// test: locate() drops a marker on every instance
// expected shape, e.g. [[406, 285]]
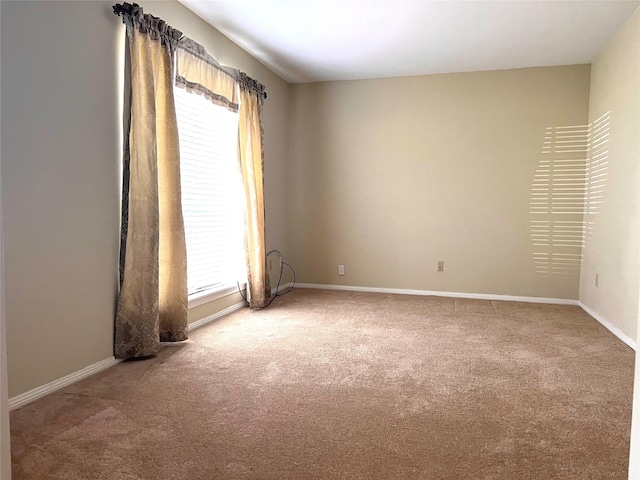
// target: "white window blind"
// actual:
[[211, 193]]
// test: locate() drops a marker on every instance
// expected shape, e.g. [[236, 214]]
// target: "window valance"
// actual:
[[196, 70], [199, 72]]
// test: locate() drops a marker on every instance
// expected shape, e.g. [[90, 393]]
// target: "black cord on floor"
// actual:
[[277, 293]]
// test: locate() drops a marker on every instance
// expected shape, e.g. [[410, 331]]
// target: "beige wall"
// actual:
[[5, 438], [613, 254], [615, 87], [389, 176], [61, 151]]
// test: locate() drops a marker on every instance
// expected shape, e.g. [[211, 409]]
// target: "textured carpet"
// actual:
[[344, 385]]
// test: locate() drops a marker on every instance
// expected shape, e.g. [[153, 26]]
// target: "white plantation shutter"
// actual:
[[211, 193]]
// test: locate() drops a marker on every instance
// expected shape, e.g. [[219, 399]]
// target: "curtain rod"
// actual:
[[127, 9]]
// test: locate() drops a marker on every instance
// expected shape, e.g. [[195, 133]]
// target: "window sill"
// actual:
[[207, 296]]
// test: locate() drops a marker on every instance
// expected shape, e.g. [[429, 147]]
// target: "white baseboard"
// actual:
[[477, 296], [609, 326], [44, 390], [283, 288], [203, 321], [484, 296], [39, 392]]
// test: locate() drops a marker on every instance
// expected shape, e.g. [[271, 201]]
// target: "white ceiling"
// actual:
[[317, 40]]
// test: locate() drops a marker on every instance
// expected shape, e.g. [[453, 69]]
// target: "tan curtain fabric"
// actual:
[[250, 154], [152, 303]]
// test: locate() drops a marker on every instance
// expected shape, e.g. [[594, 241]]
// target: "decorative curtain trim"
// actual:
[[126, 166], [194, 87], [252, 85]]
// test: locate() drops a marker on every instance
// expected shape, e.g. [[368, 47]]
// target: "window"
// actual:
[[212, 200]]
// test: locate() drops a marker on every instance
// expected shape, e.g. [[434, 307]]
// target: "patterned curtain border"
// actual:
[[193, 87], [250, 84], [126, 165]]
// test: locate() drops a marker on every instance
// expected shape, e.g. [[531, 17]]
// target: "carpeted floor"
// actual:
[[343, 385]]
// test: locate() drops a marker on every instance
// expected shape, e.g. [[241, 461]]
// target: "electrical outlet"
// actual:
[[597, 280], [440, 266], [340, 269]]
